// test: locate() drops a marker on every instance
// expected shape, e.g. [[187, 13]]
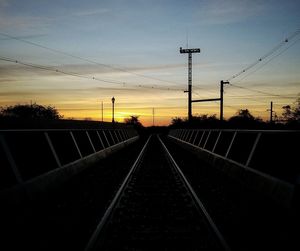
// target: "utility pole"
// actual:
[[152, 116], [221, 99], [113, 109], [222, 83], [189, 51], [271, 112], [102, 111]]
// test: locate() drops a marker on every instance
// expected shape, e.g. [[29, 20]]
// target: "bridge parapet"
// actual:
[[266, 159], [44, 156]]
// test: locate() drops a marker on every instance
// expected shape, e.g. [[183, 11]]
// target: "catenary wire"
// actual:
[[47, 68], [272, 51], [85, 59]]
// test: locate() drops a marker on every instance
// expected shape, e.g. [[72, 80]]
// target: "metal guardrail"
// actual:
[[274, 152], [27, 154]]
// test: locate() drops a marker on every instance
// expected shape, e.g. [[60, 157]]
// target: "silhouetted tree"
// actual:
[[198, 121], [133, 120], [242, 115], [287, 113], [177, 121], [205, 117], [33, 111], [291, 114], [244, 119], [297, 110]]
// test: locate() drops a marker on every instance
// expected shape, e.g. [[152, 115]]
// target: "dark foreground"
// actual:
[[155, 213]]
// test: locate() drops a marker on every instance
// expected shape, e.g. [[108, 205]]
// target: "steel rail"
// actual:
[[196, 199], [104, 220]]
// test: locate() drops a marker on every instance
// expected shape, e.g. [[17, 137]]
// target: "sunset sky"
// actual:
[[131, 49]]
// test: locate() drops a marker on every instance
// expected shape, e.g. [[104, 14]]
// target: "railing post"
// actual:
[[179, 133], [112, 138], [230, 145], [120, 136], [189, 139], [100, 140], [203, 132], [126, 134], [106, 138], [213, 150], [117, 137], [11, 160], [52, 149], [182, 134], [195, 137], [75, 143], [87, 134], [253, 149], [123, 134], [206, 139], [185, 135]]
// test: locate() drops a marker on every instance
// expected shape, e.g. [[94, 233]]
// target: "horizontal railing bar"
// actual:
[[232, 161], [245, 130], [57, 130]]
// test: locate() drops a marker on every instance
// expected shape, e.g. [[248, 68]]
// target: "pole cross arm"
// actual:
[[225, 82], [206, 100], [196, 50]]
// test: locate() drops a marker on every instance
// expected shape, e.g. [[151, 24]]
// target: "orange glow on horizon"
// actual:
[[162, 116]]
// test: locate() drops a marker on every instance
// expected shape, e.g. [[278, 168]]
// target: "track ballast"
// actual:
[[156, 209]]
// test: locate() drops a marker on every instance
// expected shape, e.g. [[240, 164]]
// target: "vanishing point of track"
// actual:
[[156, 208]]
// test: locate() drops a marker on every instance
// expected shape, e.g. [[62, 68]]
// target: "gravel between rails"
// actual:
[[156, 211]]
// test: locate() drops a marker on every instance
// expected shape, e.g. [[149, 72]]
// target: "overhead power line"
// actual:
[[48, 68], [74, 74], [268, 54], [271, 59], [258, 91], [262, 96], [86, 60]]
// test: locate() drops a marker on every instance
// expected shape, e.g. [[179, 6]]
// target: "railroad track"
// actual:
[[156, 208]]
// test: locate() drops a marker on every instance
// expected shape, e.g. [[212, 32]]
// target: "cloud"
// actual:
[[3, 3], [19, 75], [232, 11], [24, 22], [18, 93], [21, 37], [8, 71], [91, 12], [294, 84]]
